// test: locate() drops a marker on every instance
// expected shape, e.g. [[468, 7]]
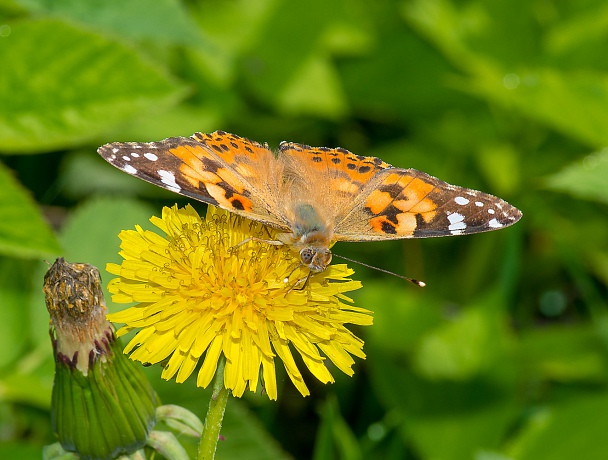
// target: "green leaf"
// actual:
[[579, 31], [573, 103], [66, 85], [29, 387], [160, 20], [23, 231], [479, 40], [15, 287], [287, 61], [463, 347], [587, 179], [401, 76], [314, 90], [573, 428]]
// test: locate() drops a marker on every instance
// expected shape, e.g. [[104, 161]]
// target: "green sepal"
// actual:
[[107, 412]]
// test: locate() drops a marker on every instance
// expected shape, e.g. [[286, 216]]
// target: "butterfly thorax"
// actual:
[[310, 236]]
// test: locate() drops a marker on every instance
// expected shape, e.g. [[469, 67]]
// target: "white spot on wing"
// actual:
[[150, 156], [168, 178], [135, 155], [455, 217], [494, 223], [461, 200], [456, 223], [114, 150], [126, 158], [491, 211], [129, 169], [479, 204], [458, 226]]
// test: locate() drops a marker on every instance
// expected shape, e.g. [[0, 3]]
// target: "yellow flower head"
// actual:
[[202, 292]]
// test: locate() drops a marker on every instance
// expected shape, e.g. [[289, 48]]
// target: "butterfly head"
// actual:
[[315, 258]]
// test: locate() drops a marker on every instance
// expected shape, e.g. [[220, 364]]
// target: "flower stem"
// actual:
[[215, 415]]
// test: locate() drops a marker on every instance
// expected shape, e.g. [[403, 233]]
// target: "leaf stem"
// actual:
[[215, 415]]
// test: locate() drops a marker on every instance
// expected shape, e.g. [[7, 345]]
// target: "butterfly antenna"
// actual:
[[411, 280]]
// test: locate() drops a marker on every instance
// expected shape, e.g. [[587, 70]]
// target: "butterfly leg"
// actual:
[[303, 281]]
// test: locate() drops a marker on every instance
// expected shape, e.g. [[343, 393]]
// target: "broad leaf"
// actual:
[[587, 179], [160, 20], [23, 231], [61, 85]]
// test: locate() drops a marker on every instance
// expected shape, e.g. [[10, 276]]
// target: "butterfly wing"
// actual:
[[371, 200], [406, 203], [221, 169], [329, 179]]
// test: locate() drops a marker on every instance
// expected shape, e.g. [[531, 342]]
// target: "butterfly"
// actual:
[[313, 196]]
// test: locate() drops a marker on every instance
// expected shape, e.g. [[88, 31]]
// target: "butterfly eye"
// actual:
[[307, 255]]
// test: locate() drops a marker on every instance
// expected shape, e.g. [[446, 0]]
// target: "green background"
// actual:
[[502, 356]]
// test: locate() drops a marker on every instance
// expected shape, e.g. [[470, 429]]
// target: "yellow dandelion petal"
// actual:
[[139, 338], [270, 377], [207, 371], [204, 290], [187, 368], [336, 353]]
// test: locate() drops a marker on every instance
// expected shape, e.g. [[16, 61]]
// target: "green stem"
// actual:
[[215, 415]]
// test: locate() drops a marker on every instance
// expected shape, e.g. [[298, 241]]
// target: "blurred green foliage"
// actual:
[[502, 356]]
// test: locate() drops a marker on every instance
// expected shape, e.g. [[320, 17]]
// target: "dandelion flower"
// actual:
[[206, 289]]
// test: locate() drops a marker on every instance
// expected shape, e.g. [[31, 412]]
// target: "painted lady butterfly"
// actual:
[[313, 196]]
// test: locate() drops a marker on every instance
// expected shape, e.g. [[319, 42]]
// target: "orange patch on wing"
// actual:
[[344, 185], [395, 178], [190, 155], [405, 226], [418, 189], [426, 208], [413, 195], [241, 202], [235, 202], [377, 201], [230, 178], [193, 169]]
